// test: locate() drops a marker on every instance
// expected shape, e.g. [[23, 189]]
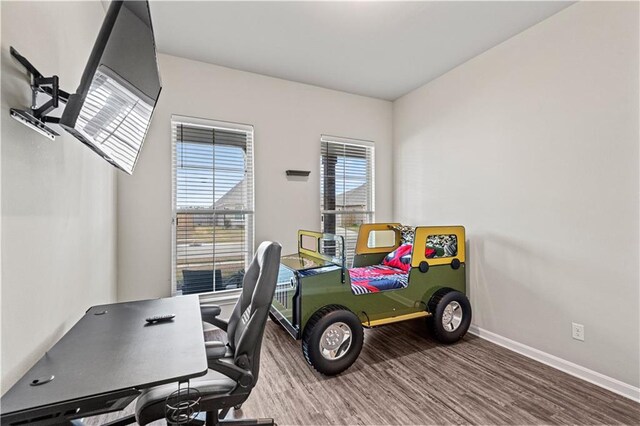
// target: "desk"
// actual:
[[103, 362]]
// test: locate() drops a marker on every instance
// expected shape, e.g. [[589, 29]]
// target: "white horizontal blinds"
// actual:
[[346, 188], [213, 204]]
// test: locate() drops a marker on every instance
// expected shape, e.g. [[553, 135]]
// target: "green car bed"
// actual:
[[399, 273]]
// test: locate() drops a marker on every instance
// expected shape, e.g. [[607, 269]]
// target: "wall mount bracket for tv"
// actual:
[[36, 116]]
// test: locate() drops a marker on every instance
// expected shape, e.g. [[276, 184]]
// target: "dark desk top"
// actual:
[[116, 351]]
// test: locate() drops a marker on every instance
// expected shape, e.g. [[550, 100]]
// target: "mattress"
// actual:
[[376, 278]]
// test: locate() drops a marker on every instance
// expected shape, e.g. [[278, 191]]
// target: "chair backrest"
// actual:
[[249, 317]]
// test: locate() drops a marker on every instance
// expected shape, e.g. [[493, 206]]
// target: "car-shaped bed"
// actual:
[[398, 273]]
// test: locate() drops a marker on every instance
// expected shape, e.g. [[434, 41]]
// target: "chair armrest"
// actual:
[[215, 350], [209, 311], [243, 377], [210, 314], [220, 323]]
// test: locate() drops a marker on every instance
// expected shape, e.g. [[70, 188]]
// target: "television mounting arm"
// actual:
[[42, 84]]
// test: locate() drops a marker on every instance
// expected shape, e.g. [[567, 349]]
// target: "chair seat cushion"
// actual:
[[150, 405]]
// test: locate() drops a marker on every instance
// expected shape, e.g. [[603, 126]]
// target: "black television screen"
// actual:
[[112, 108]]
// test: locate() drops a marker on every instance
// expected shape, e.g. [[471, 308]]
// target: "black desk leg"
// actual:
[[212, 418]]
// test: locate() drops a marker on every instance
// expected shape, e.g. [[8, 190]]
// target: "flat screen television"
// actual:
[[112, 108]]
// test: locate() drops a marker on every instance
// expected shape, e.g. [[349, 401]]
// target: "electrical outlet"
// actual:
[[577, 331]]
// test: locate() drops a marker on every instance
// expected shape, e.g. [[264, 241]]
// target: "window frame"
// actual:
[[362, 143], [176, 120]]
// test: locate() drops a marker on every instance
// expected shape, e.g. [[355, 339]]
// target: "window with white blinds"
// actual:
[[212, 204], [346, 188]]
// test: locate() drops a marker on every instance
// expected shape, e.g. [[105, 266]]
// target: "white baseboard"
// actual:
[[568, 367]]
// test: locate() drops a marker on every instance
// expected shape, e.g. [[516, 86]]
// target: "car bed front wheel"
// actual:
[[332, 340]]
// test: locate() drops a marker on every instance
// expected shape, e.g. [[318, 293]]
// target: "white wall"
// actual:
[[58, 198], [288, 119], [533, 146]]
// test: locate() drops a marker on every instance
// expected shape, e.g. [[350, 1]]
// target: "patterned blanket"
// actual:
[[376, 278]]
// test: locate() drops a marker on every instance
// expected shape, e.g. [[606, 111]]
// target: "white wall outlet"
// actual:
[[577, 331]]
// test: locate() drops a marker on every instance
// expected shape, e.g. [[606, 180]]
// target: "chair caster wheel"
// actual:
[[237, 407]]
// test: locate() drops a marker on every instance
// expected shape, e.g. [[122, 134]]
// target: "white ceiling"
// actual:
[[378, 49]]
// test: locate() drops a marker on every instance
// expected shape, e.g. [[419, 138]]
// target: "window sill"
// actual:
[[221, 298]]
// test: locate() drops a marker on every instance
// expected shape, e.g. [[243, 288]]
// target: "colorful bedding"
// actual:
[[400, 258], [376, 278]]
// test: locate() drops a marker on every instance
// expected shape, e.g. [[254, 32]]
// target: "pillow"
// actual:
[[399, 258]]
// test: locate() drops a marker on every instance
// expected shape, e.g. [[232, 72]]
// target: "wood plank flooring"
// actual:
[[404, 377]]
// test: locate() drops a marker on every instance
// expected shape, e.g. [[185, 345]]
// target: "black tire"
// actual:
[[348, 351], [442, 328]]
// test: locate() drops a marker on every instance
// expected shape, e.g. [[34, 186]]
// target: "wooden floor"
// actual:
[[403, 377]]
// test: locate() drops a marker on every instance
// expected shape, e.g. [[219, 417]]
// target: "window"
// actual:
[[441, 246], [212, 204], [381, 238], [346, 188]]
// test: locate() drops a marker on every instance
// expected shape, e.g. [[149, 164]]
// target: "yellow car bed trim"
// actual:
[[363, 237], [420, 243], [312, 234], [399, 318]]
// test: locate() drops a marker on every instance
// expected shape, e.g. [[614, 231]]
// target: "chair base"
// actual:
[[211, 420], [214, 420]]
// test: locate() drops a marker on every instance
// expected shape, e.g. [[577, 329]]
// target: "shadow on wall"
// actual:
[[509, 281], [24, 148], [34, 355], [14, 76], [513, 280], [531, 294]]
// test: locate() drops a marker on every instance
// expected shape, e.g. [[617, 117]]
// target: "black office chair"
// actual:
[[234, 367]]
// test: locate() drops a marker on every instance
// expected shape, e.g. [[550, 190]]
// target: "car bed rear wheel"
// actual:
[[332, 340], [451, 315]]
